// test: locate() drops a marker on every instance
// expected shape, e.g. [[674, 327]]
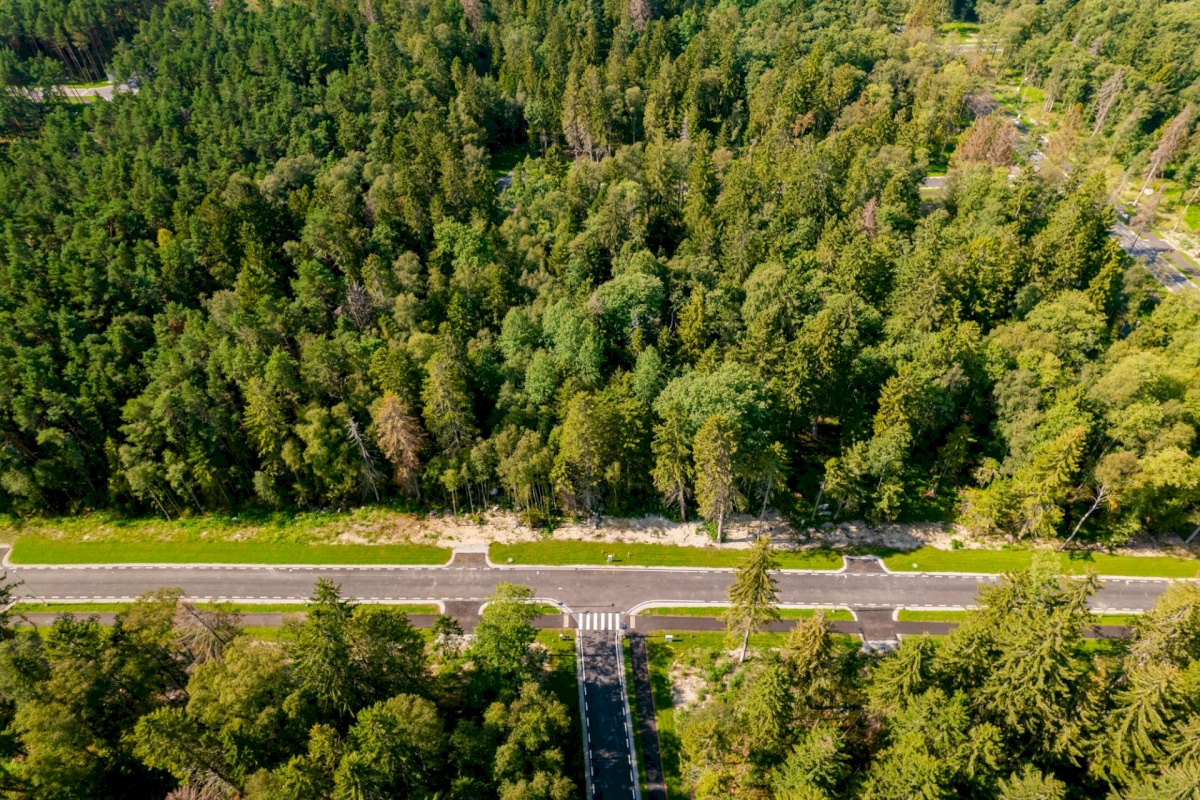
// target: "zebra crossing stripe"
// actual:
[[601, 621]]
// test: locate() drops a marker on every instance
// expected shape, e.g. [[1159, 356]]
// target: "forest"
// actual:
[[597, 257], [1014, 704], [351, 703]]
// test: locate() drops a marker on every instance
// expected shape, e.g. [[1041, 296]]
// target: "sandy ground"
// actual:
[[687, 685], [380, 526], [506, 528]]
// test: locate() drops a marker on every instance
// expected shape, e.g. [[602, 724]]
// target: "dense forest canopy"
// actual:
[[1013, 705], [351, 703], [287, 273]]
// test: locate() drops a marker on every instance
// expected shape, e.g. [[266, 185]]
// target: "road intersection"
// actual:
[[600, 603], [469, 579]]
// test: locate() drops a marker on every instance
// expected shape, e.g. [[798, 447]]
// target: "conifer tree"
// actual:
[[400, 437], [715, 451], [754, 593], [673, 458]]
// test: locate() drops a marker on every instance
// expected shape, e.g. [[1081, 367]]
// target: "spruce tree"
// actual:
[[672, 458], [754, 594], [715, 451]]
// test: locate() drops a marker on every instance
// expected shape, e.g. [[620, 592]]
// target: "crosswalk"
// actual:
[[598, 621]]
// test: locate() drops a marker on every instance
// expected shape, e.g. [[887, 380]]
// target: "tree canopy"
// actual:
[[572, 259]]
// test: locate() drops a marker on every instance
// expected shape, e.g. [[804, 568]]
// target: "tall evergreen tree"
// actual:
[[754, 593]]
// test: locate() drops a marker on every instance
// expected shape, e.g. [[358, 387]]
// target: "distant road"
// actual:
[[83, 94]]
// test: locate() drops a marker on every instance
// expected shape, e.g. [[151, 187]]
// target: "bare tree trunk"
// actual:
[[1186, 209], [745, 644], [1109, 92], [1100, 496]]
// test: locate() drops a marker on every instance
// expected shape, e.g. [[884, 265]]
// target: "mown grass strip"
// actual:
[[908, 615], [35, 550], [574, 553], [931, 559], [241, 608], [831, 614], [934, 615]]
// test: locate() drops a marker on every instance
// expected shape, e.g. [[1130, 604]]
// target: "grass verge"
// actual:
[[831, 614], [574, 553], [241, 608], [36, 550], [932, 615], [931, 559]]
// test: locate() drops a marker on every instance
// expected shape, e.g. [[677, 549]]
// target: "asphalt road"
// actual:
[[587, 589], [612, 773]]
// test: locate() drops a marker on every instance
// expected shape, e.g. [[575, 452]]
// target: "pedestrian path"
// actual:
[[599, 621], [609, 753]]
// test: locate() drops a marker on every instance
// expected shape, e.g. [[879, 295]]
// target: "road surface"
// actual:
[[468, 579], [612, 773]]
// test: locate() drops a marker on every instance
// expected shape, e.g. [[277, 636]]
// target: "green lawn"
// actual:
[[1192, 218], [960, 27], [241, 608], [566, 552], [907, 615], [34, 550], [831, 614], [931, 559], [505, 159]]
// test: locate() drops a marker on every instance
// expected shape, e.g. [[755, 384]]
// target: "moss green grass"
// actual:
[[241, 608], [931, 559], [36, 550], [932, 615], [567, 552], [831, 614]]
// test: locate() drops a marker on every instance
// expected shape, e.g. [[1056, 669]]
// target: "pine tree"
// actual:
[[673, 458], [400, 437], [715, 452], [448, 412], [754, 594]]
